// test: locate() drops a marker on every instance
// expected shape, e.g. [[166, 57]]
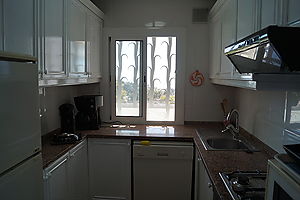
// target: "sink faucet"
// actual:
[[232, 124]]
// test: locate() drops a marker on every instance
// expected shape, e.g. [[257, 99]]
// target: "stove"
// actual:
[[245, 185]]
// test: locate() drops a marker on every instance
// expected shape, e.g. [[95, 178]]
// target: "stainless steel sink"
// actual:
[[217, 141], [226, 144]]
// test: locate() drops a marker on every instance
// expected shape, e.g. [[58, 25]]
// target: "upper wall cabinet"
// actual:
[[53, 38], [232, 20], [268, 13], [215, 46], [94, 42], [228, 31], [70, 42], [18, 26], [292, 12], [77, 39], [246, 18]]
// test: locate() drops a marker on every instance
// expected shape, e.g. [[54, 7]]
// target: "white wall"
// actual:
[[201, 103], [262, 114], [53, 97]]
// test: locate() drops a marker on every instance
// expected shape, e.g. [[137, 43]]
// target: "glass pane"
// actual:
[[161, 62], [77, 38], [77, 56], [128, 70]]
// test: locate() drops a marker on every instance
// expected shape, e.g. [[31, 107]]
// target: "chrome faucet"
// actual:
[[232, 125]]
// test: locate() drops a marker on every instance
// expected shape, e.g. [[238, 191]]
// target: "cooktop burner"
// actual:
[[245, 185]]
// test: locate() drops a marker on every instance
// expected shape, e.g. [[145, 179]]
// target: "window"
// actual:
[[144, 81], [161, 67], [128, 78]]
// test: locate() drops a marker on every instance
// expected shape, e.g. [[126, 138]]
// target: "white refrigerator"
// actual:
[[20, 138]]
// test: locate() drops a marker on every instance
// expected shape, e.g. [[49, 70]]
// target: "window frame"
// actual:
[[137, 34]]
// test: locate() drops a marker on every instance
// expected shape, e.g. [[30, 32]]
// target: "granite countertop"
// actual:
[[214, 161]]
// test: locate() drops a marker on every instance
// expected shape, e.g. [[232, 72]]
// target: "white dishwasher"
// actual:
[[162, 170]]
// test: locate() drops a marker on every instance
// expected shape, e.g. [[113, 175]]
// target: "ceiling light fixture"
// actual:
[[155, 25]]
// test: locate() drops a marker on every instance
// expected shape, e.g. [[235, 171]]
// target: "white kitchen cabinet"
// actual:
[[246, 18], [69, 44], [293, 14], [76, 39], [19, 26], [94, 37], [56, 180], [78, 172], [67, 177], [268, 13], [215, 46], [1, 26], [203, 185], [109, 169], [53, 38], [228, 29]]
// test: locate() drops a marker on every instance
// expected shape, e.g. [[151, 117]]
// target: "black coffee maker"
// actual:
[[87, 117], [67, 120]]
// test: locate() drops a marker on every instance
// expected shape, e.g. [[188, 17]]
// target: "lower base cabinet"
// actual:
[[109, 169], [56, 181], [203, 186], [78, 172], [67, 177]]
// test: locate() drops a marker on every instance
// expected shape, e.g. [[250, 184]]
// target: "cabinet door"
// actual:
[[94, 35], [110, 169], [56, 181], [54, 37], [1, 26], [78, 172], [293, 12], [205, 188], [76, 38], [18, 26], [215, 48], [268, 13], [246, 15], [228, 36]]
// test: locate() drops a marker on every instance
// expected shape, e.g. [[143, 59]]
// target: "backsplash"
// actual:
[[52, 97], [263, 114]]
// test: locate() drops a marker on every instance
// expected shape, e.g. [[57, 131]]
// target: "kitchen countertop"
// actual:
[[214, 161]]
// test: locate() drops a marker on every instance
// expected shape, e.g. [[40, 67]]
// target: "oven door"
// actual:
[[280, 185]]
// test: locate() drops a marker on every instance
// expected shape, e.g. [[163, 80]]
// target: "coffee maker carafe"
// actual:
[[87, 117]]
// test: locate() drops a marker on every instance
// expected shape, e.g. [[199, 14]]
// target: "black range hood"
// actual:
[[273, 50]]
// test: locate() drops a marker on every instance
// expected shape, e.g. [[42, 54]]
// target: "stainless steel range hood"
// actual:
[[273, 50]]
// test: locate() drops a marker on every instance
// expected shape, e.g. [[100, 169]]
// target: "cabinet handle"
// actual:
[[162, 154], [54, 168], [78, 149], [112, 143], [105, 197], [46, 71], [209, 185]]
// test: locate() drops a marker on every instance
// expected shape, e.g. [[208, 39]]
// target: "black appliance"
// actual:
[[65, 138], [273, 50], [88, 116], [67, 119], [245, 184]]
